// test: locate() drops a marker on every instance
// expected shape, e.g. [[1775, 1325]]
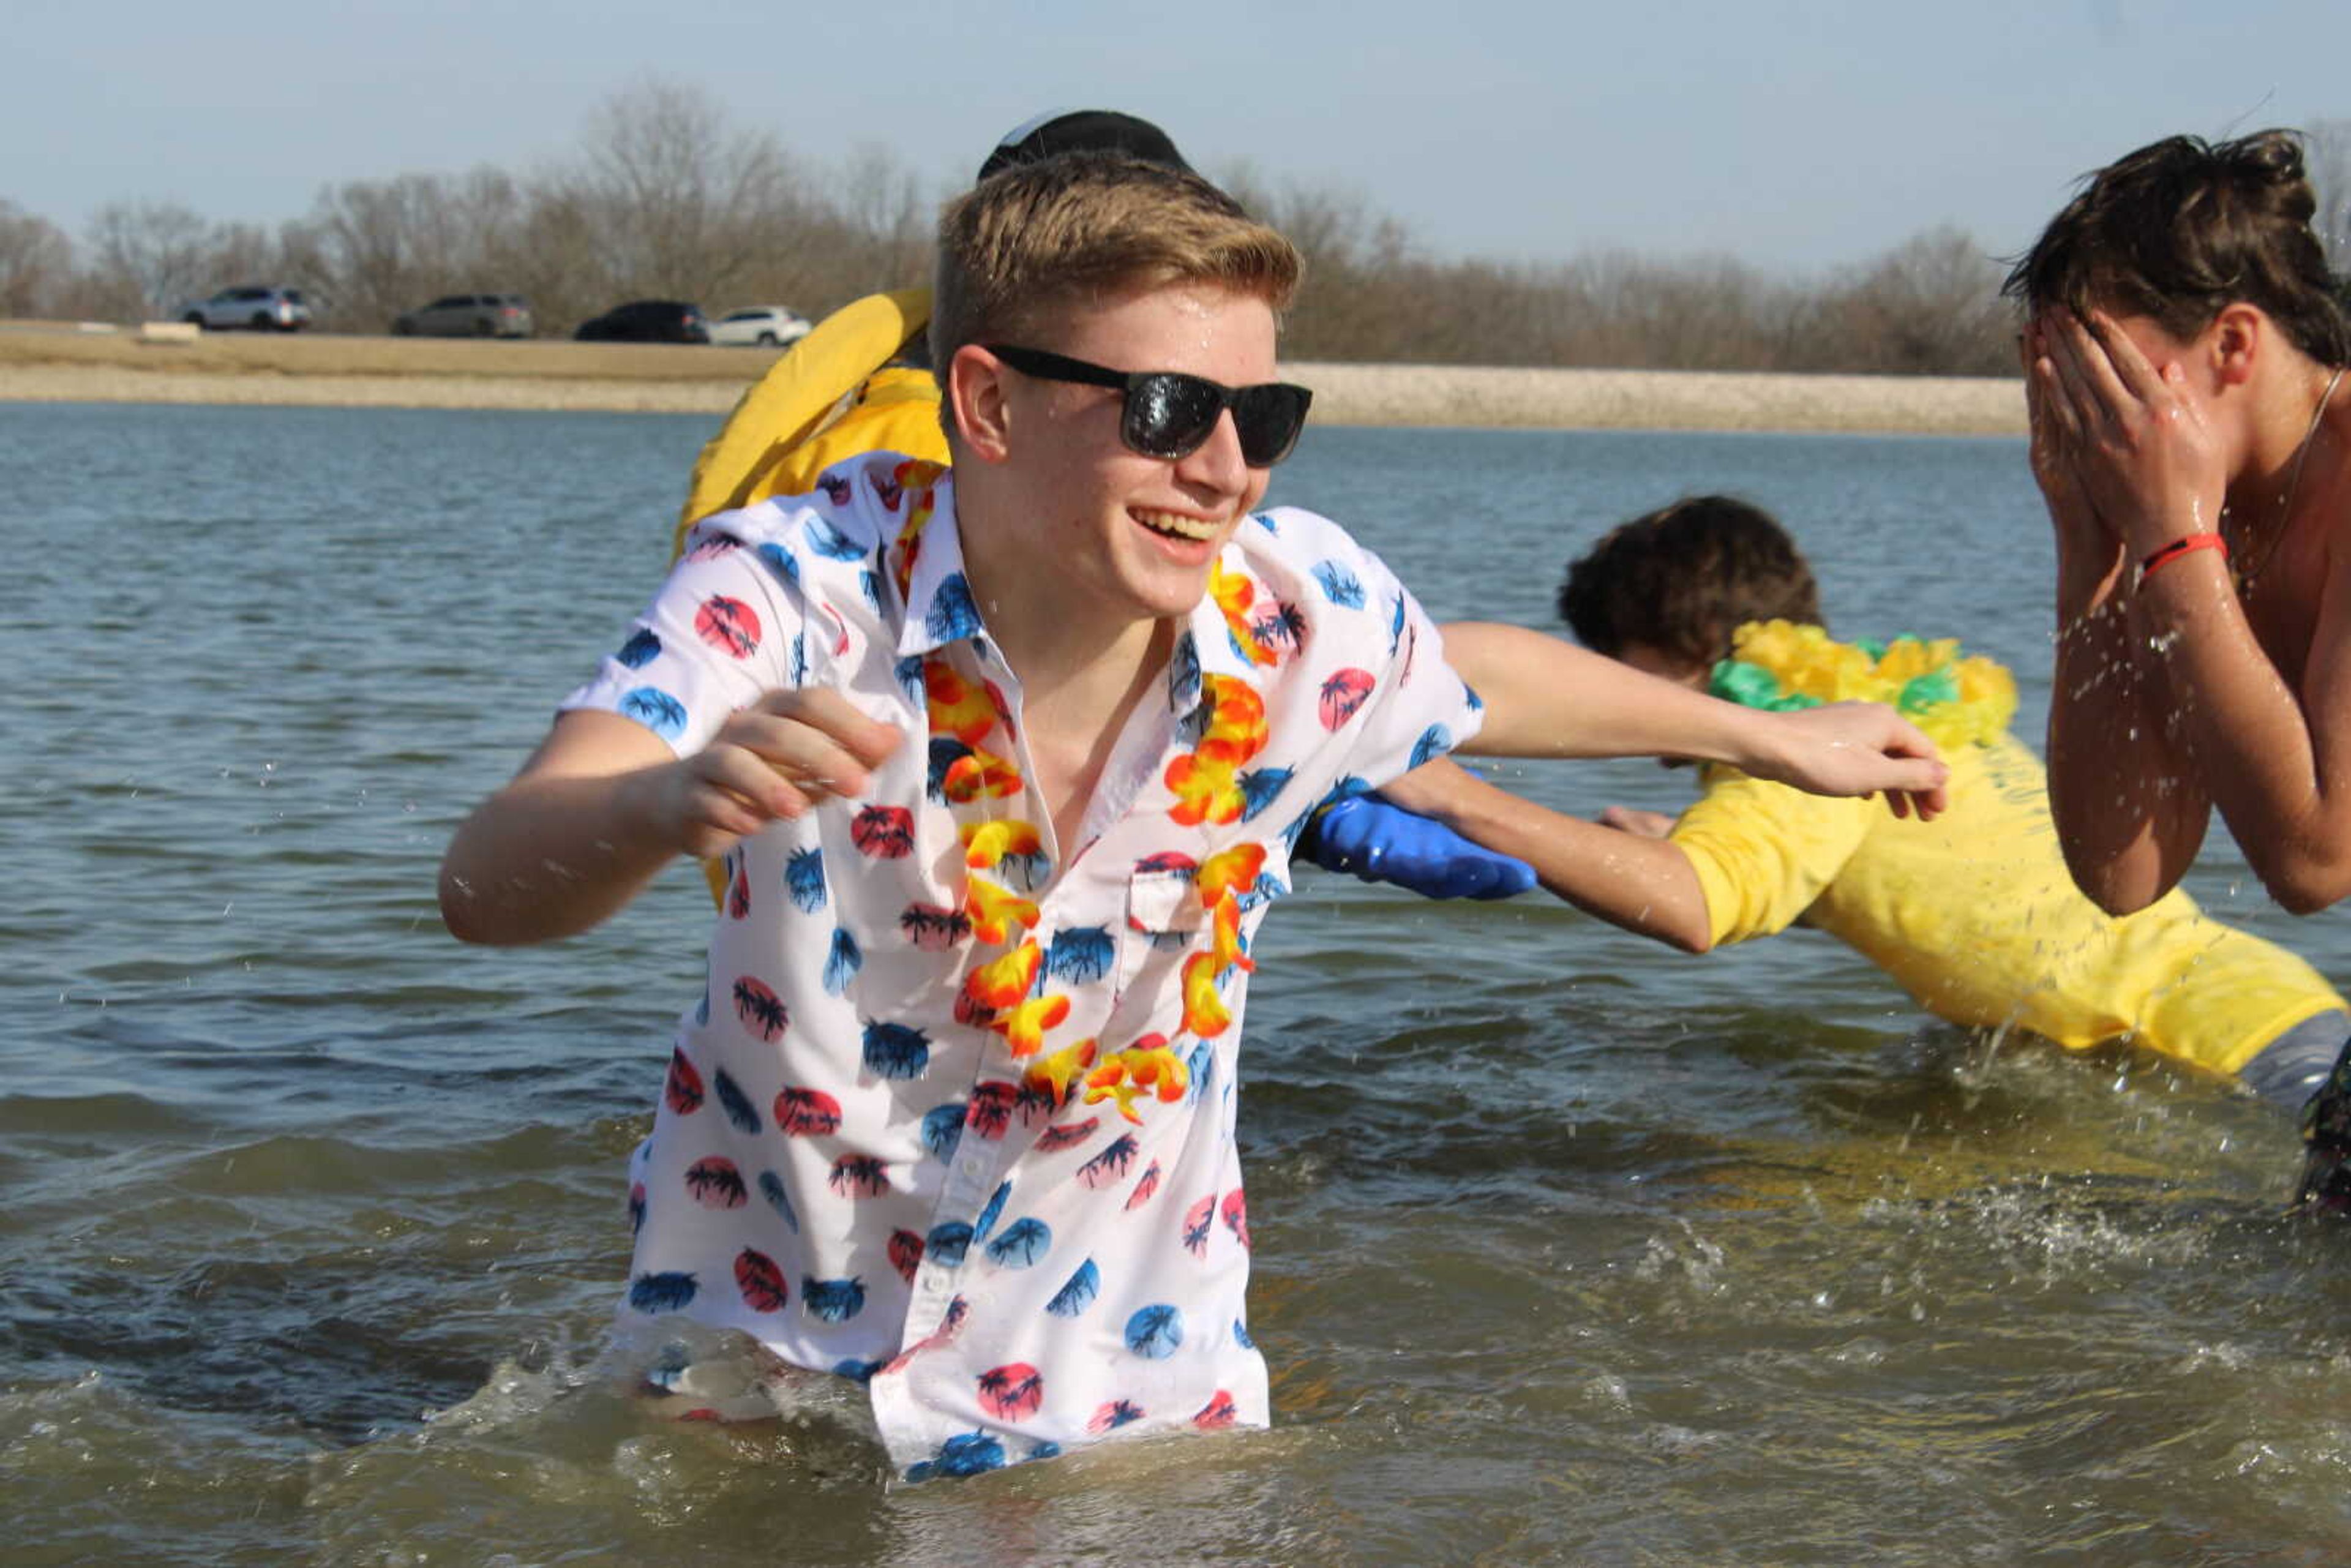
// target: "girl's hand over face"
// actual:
[[2134, 438], [2053, 429]]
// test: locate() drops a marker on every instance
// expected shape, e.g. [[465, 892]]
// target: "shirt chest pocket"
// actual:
[[1164, 921]]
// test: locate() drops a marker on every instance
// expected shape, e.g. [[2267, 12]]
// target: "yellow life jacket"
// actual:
[[833, 396]]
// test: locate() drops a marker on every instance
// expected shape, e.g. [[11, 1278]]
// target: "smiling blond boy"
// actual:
[[1005, 765]]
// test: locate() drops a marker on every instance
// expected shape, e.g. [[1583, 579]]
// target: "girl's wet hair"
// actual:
[[2178, 230], [1682, 579]]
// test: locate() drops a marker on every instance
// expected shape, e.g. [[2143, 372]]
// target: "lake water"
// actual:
[[314, 1217]]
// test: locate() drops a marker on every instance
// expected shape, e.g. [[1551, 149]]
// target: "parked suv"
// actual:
[[647, 321], [263, 309], [468, 315], [759, 327]]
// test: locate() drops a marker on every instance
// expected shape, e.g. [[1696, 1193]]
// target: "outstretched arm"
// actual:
[[1641, 883], [1545, 697], [603, 804]]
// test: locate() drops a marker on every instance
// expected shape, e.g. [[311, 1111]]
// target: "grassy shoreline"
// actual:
[[56, 362]]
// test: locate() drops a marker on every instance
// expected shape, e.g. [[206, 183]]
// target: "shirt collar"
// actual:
[[1206, 644], [940, 609], [939, 606], [1220, 652]]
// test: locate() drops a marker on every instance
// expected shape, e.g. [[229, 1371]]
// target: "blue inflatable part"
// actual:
[[1369, 838]]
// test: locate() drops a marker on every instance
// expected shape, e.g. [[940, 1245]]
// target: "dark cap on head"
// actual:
[[1083, 130]]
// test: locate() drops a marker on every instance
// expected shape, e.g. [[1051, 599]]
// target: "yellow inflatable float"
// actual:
[[834, 395]]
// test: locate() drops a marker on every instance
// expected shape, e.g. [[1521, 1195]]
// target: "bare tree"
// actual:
[[681, 202], [364, 233], [391, 245], [887, 218], [555, 259], [36, 263], [245, 252], [1364, 294], [158, 254], [1929, 306], [2326, 153], [665, 195]]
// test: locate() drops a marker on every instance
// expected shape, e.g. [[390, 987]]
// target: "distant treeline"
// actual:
[[667, 197]]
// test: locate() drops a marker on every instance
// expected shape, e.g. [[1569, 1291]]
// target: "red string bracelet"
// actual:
[[2180, 547]]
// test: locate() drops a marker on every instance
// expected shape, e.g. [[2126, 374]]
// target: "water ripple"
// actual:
[[1569, 1250]]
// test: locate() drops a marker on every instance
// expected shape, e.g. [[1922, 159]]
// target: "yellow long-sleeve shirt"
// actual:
[[1977, 917]]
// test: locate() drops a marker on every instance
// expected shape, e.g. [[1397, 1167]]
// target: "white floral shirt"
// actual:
[[956, 1114]]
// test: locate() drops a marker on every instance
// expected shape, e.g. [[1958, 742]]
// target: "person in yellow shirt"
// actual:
[[1974, 913]]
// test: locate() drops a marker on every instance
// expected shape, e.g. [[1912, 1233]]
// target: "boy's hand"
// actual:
[[1633, 820], [1857, 748], [770, 761]]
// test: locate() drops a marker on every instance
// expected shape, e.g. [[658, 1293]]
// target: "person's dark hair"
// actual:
[[1082, 130], [1051, 135], [1682, 579], [2178, 230]]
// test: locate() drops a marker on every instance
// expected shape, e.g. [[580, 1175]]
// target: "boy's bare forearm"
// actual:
[[1644, 885], [580, 828], [604, 805], [1545, 697], [551, 856]]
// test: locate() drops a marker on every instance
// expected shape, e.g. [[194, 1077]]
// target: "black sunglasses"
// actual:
[[1169, 414]]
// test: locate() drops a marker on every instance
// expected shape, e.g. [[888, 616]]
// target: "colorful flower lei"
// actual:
[[1778, 665]]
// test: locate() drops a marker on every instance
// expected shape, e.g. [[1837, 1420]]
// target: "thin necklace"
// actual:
[[2245, 575]]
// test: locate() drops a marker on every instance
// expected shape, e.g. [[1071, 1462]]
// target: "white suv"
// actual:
[[263, 309], [759, 327]]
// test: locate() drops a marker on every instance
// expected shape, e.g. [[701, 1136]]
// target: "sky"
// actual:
[[1796, 135]]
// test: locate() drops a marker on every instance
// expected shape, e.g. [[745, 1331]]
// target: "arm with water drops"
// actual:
[[2130, 816], [2273, 754], [2271, 751]]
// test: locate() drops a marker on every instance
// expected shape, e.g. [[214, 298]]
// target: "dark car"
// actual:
[[647, 321]]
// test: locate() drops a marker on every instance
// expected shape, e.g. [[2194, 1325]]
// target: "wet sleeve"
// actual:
[[727, 626], [1764, 852]]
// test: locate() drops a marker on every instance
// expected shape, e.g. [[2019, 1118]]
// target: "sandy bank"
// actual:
[[55, 364]]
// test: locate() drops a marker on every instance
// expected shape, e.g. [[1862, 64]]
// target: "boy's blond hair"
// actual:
[[1019, 247]]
